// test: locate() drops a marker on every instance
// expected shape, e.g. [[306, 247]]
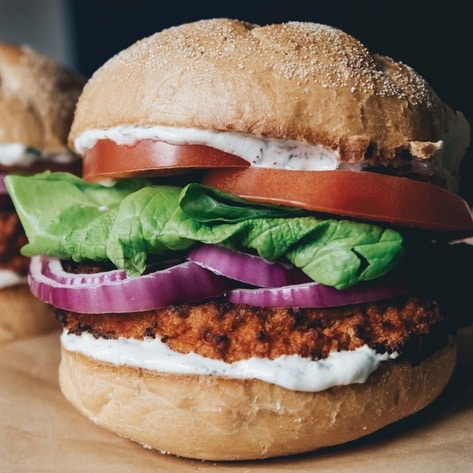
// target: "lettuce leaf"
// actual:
[[68, 218]]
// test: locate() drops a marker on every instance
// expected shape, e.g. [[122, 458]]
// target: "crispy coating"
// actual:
[[230, 332], [12, 238]]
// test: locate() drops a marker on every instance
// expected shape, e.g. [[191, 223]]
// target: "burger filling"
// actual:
[[272, 152], [307, 350], [13, 265], [235, 332], [110, 259], [17, 157], [289, 371]]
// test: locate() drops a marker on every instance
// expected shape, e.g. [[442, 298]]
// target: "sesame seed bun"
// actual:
[[301, 81], [215, 418], [37, 98], [22, 315]]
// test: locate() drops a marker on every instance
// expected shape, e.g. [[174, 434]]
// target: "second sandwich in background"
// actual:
[[37, 101]]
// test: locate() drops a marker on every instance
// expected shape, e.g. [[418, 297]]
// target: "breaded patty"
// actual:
[[232, 332], [12, 238]]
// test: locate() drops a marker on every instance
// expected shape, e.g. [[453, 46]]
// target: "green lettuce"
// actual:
[[134, 220]]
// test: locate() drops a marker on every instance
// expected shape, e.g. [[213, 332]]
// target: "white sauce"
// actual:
[[17, 154], [291, 372], [259, 152], [10, 278]]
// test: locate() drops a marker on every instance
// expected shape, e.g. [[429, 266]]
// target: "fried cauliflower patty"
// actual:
[[12, 238], [232, 332]]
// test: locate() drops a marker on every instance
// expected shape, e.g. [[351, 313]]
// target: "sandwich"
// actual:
[[37, 100], [260, 259]]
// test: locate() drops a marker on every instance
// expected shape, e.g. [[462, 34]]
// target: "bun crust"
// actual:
[[22, 315], [37, 98], [300, 81], [214, 418]]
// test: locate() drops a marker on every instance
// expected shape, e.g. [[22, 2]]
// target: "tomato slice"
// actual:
[[363, 195], [108, 159]]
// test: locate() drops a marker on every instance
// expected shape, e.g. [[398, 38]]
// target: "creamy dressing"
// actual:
[[17, 154], [291, 372], [262, 152], [10, 278], [259, 152]]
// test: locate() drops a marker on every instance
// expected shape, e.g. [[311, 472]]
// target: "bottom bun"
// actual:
[[215, 418], [23, 315]]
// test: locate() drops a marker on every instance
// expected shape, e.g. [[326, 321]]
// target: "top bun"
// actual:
[[37, 99], [299, 81]]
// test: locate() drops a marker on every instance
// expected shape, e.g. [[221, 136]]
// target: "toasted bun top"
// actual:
[[37, 98], [302, 81]]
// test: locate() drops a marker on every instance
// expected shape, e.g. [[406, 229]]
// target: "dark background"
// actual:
[[433, 38]]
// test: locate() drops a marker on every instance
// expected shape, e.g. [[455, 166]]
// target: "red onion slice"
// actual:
[[244, 267], [103, 293], [315, 295]]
